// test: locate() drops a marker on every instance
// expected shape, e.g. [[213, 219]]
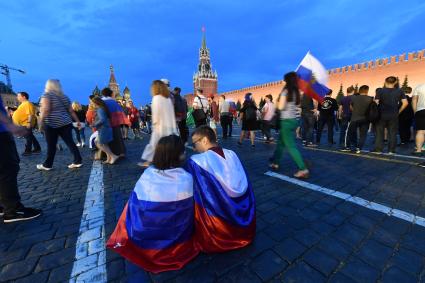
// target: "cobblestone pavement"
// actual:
[[303, 235]]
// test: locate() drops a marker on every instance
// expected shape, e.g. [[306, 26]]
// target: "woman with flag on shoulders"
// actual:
[[155, 230]]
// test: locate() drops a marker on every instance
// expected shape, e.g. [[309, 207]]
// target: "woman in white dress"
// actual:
[[163, 119]]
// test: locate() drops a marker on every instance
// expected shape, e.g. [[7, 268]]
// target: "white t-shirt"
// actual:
[[420, 93], [198, 105]]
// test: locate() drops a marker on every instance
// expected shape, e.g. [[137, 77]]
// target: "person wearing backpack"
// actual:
[[213, 113], [359, 106], [200, 108], [248, 116], [180, 108], [388, 99]]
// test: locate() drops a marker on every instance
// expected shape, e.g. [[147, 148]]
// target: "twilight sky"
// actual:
[[251, 42]]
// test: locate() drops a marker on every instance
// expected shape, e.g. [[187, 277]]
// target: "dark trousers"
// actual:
[[117, 145], [404, 125], [360, 126], [329, 121], [307, 120], [10, 199], [52, 135], [80, 134], [230, 126], [343, 133], [265, 128], [184, 131], [199, 123], [225, 121], [392, 125], [31, 142]]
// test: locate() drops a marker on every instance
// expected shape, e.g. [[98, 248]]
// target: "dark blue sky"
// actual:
[[251, 42]]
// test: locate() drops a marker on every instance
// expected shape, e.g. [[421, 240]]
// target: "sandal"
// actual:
[[114, 160], [274, 166], [144, 164], [302, 174]]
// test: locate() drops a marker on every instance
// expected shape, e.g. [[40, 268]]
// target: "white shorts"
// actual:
[[212, 125]]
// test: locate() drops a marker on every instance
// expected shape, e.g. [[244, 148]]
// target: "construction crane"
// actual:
[[5, 70]]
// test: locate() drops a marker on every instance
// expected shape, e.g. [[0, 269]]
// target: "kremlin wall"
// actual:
[[371, 73]]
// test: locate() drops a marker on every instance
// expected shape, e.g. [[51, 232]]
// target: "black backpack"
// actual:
[[180, 106], [373, 114]]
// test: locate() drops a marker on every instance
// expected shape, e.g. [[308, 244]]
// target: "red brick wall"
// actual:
[[372, 73], [208, 86]]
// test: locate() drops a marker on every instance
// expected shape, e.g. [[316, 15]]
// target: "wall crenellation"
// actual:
[[247, 89], [381, 62]]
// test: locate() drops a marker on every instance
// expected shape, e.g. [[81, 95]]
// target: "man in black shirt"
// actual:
[[389, 99], [327, 116], [359, 106]]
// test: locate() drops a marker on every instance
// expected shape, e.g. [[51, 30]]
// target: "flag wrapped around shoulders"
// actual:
[[312, 77], [118, 116], [155, 230], [224, 201]]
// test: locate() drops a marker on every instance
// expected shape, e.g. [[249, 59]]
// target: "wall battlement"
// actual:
[[255, 87], [372, 73], [380, 63]]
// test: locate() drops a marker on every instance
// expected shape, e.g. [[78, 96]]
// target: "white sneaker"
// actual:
[[83, 144], [72, 165], [41, 167], [78, 144]]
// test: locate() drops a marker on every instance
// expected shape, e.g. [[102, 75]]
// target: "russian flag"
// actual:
[[155, 230], [312, 77], [118, 116], [224, 201]]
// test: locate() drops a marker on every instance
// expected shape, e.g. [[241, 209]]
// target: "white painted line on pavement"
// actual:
[[90, 249], [418, 220]]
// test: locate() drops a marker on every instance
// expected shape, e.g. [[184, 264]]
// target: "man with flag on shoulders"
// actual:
[[224, 199]]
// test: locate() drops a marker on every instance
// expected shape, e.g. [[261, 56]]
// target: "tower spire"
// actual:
[[204, 40], [205, 77], [112, 76]]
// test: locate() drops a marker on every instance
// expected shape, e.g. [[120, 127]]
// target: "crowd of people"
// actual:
[[182, 206]]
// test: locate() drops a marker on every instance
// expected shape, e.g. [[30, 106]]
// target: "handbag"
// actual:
[[199, 114]]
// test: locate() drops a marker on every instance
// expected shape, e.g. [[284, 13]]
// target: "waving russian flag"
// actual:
[[224, 201], [312, 77], [155, 230]]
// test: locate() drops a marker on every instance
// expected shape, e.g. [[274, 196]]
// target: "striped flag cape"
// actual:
[[118, 116], [224, 201], [155, 230]]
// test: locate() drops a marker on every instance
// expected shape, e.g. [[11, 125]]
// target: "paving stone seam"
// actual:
[[86, 264], [418, 220]]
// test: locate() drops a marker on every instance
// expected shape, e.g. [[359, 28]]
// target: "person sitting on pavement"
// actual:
[[155, 230], [224, 199]]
